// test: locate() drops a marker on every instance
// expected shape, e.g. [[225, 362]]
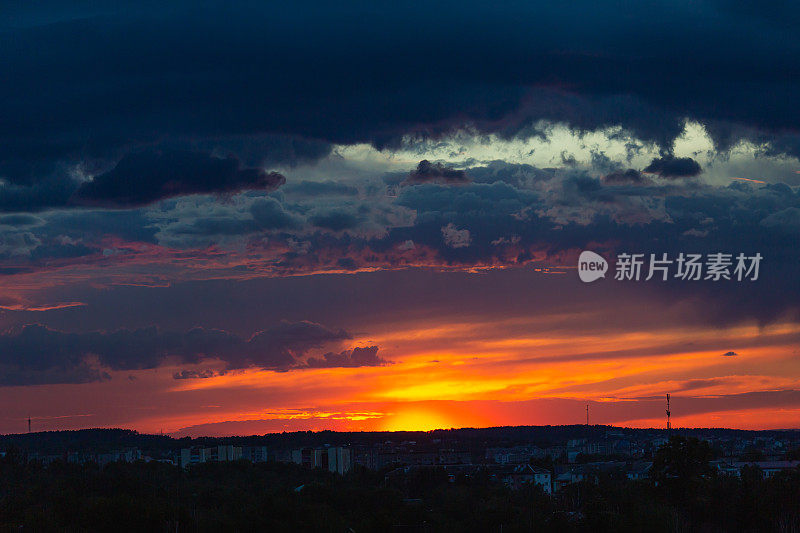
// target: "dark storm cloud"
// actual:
[[320, 188], [86, 86], [694, 384], [35, 348], [336, 220], [147, 177], [436, 172], [269, 213], [357, 357], [279, 346], [787, 220], [90, 226], [20, 220], [674, 167], [35, 354], [35, 196], [624, 176], [195, 374], [260, 150]]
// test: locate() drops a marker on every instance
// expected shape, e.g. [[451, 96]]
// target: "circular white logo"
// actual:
[[591, 266]]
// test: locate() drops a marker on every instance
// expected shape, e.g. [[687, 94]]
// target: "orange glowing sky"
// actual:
[[465, 370]]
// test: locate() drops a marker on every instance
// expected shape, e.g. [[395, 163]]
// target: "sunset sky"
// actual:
[[221, 219]]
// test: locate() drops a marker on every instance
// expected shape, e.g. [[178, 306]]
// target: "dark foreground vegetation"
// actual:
[[683, 493]]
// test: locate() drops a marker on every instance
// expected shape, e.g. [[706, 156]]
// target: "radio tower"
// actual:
[[668, 425], [29, 423], [587, 414]]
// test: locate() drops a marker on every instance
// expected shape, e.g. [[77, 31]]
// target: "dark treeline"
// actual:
[[101, 440], [684, 493]]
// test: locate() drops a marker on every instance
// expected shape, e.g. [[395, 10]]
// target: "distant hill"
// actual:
[[101, 440]]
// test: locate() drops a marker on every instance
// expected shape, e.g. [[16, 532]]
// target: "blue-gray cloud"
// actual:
[[145, 177], [281, 83], [674, 167], [427, 172], [35, 354]]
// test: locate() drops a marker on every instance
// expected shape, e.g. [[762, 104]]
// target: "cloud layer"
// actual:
[[35, 354], [143, 178], [236, 81], [509, 215]]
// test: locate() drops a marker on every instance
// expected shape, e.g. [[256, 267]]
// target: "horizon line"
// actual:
[[172, 435]]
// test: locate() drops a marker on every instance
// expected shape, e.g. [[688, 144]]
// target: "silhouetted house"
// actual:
[[563, 479], [128, 455], [639, 470], [223, 452], [304, 457], [255, 454], [516, 477], [418, 458], [454, 457], [198, 454], [193, 455], [320, 458], [514, 455], [768, 468], [364, 456], [339, 460], [591, 472]]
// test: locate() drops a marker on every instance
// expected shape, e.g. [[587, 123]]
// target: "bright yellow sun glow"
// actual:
[[416, 420]]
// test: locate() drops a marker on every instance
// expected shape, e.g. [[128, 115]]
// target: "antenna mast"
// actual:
[[669, 427], [587, 414]]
